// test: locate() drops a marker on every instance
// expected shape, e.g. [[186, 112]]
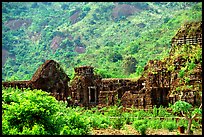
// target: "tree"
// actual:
[[187, 111], [115, 56], [129, 65]]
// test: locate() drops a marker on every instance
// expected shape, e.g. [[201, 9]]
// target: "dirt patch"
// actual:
[[129, 130]]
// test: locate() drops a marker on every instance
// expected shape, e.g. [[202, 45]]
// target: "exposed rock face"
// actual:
[[55, 43], [123, 10], [75, 17], [17, 23], [4, 56], [80, 49], [35, 36], [49, 77]]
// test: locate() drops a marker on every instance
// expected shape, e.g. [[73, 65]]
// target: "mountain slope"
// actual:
[[116, 41]]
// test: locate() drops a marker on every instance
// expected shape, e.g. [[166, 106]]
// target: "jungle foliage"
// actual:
[[104, 35]]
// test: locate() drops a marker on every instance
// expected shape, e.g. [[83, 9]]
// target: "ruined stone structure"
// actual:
[[88, 89], [155, 87], [190, 33], [49, 77], [84, 89]]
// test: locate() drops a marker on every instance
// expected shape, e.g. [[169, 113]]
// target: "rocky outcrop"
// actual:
[[15, 24], [123, 10], [75, 17], [80, 49], [4, 56], [55, 43]]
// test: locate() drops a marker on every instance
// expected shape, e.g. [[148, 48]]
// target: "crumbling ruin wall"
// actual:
[[162, 77], [107, 98], [84, 90], [186, 88], [49, 77], [124, 91], [189, 33], [157, 83], [19, 84], [112, 90]]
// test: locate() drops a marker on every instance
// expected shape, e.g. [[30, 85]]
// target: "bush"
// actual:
[[22, 110], [162, 112], [195, 124], [128, 117], [142, 129], [170, 125], [35, 112], [183, 122], [75, 124], [99, 121], [140, 114], [138, 123], [118, 122], [154, 124], [181, 73]]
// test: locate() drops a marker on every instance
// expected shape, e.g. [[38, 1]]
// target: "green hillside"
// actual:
[[117, 38]]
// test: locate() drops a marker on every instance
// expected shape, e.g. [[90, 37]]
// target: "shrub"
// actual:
[[140, 114], [36, 130], [22, 110], [128, 118], [195, 124], [142, 129], [162, 112], [181, 73], [182, 122], [138, 123], [35, 112], [188, 111], [75, 124], [99, 121], [118, 122], [154, 124], [170, 125], [154, 111]]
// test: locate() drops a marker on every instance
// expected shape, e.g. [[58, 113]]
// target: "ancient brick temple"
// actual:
[[49, 77], [85, 87]]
